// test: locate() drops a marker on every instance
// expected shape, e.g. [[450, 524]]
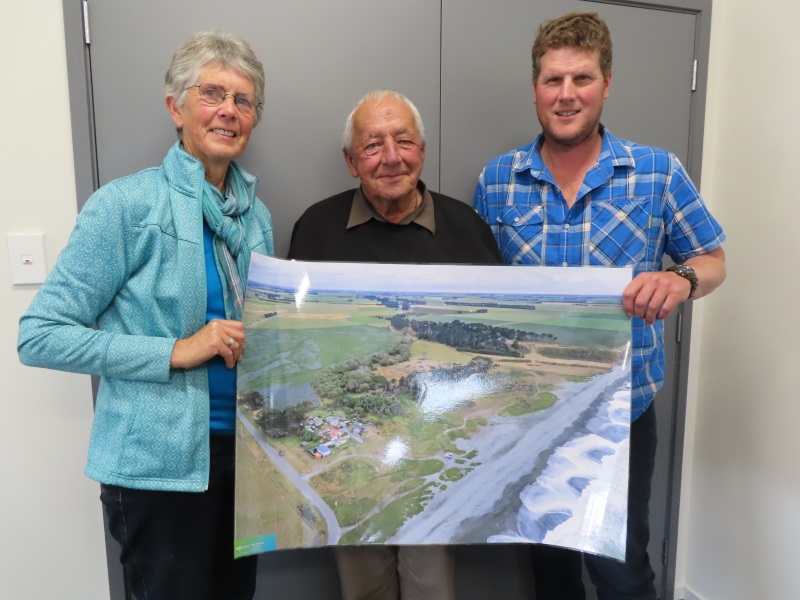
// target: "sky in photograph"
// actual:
[[301, 276]]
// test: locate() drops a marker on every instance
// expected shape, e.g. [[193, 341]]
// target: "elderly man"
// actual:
[[578, 196], [392, 218]]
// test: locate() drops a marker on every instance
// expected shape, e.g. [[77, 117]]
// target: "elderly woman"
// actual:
[[157, 262]]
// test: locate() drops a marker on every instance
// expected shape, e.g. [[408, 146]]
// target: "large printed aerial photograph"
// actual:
[[411, 404]]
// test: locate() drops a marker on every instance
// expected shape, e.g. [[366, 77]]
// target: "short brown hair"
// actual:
[[586, 31]]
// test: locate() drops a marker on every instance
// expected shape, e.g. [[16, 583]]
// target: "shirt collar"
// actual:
[[362, 211], [612, 154]]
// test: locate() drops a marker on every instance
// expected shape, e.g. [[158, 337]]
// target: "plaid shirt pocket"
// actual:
[[622, 230], [520, 233]]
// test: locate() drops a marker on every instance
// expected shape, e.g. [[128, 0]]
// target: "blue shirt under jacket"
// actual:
[[134, 265]]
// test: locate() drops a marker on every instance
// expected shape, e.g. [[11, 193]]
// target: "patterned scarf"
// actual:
[[222, 213]]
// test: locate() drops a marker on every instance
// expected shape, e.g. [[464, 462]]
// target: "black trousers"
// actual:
[[557, 572], [179, 545]]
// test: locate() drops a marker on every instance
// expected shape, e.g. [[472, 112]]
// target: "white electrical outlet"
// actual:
[[26, 252]]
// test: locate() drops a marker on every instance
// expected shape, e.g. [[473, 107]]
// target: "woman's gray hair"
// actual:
[[210, 47], [375, 97]]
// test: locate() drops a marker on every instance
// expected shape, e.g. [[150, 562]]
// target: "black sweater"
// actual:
[[461, 237]]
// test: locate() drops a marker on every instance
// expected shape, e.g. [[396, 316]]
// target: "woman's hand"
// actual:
[[217, 338]]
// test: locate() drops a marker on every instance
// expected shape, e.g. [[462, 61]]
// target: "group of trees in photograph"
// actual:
[[350, 387], [395, 301], [280, 422], [276, 422], [353, 386], [472, 337]]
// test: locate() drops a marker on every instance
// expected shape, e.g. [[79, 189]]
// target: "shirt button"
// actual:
[[516, 219], [564, 264], [566, 225]]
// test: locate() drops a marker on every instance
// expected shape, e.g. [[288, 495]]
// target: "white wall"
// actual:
[[740, 523], [740, 529], [51, 536]]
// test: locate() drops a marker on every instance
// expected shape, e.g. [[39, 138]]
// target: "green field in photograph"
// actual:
[[581, 336], [341, 315], [454, 474], [254, 310], [377, 316], [528, 404], [354, 486], [525, 319], [329, 298], [266, 502], [410, 468], [432, 436], [350, 511], [300, 323], [438, 352], [299, 354], [351, 488], [386, 523], [350, 474]]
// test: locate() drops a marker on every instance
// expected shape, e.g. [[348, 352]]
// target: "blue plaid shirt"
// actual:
[[635, 205]]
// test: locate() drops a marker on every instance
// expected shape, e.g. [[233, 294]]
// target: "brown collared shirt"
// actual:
[[362, 211]]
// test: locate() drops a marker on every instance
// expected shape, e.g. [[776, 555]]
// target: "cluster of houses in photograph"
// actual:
[[334, 432]]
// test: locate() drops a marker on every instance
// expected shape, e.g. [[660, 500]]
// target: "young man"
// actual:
[[579, 196]]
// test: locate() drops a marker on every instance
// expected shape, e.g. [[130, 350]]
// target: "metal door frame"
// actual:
[[86, 182], [701, 9]]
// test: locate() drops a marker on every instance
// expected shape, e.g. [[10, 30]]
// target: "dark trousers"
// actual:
[[179, 545], [557, 572]]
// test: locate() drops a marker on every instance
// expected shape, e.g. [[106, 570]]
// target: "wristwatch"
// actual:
[[688, 274]]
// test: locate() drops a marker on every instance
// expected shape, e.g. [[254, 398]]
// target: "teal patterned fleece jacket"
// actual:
[[134, 266]]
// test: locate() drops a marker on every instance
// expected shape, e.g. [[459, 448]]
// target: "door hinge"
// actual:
[[86, 22], [678, 327], [664, 549], [694, 76]]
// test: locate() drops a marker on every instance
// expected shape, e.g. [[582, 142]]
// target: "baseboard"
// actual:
[[682, 593]]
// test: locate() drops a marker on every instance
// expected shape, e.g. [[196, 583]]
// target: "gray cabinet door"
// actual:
[[487, 109], [319, 58]]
